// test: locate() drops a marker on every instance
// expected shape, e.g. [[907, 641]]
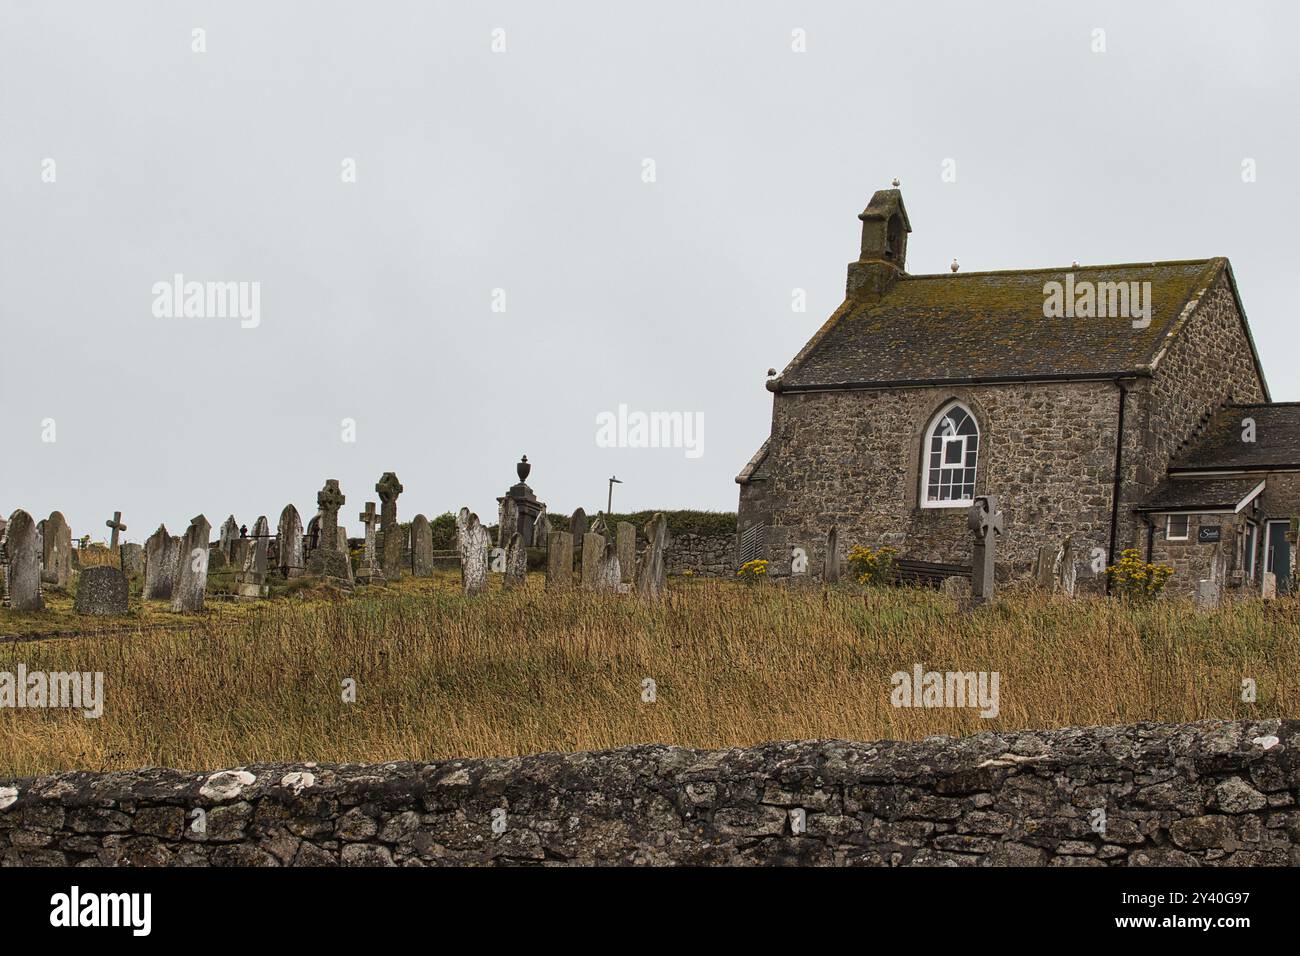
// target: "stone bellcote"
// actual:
[[884, 245]]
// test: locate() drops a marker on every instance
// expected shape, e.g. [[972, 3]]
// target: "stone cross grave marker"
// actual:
[[330, 559], [116, 525], [986, 524], [388, 488], [370, 559]]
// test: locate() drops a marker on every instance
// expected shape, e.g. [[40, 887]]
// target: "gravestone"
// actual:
[[160, 550], [191, 577], [227, 537], [289, 550], [388, 488], [131, 558], [831, 563], [559, 561], [578, 526], [593, 553], [507, 521], [473, 542], [330, 559], [101, 590], [369, 558], [986, 524], [609, 575], [56, 545], [239, 549], [542, 531], [1268, 586], [421, 547], [516, 563], [1066, 569], [23, 546], [313, 534], [652, 574], [1207, 594], [625, 539], [252, 576], [347, 558], [116, 525]]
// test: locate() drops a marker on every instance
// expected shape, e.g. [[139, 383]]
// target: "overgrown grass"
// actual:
[[439, 676]]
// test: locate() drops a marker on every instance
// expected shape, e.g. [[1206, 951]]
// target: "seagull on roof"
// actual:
[[954, 267], [896, 183]]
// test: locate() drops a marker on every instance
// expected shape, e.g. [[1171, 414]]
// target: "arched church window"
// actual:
[[951, 457]]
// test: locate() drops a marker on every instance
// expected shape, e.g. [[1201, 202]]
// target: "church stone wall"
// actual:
[[1212, 793], [853, 459]]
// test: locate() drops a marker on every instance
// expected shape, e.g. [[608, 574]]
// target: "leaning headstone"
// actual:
[[559, 561], [507, 521], [191, 577], [593, 552], [369, 557], [421, 547], [160, 550], [131, 558], [652, 574], [23, 546], [473, 542], [831, 563], [985, 522], [56, 545], [516, 563], [252, 577], [289, 546], [101, 590], [388, 488], [227, 537], [625, 538], [330, 560]]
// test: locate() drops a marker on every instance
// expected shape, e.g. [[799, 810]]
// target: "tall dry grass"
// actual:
[[440, 676]]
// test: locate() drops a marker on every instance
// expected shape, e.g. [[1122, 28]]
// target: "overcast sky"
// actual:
[[525, 171]]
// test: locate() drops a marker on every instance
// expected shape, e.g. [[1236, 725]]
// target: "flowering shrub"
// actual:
[[751, 572], [872, 567], [1135, 578]]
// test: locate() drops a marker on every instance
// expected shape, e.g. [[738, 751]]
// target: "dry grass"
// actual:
[[440, 676]]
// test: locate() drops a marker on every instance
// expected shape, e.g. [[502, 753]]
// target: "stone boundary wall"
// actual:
[[704, 555], [1218, 793]]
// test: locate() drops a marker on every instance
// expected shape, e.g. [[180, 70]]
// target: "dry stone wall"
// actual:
[[1212, 793]]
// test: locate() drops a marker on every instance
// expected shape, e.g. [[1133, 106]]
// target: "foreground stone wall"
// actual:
[[1209, 793], [704, 555]]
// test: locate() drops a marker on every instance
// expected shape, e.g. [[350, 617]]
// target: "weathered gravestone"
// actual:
[[542, 531], [116, 526], [191, 577], [653, 573], [369, 557], [1268, 586], [239, 550], [56, 545], [1055, 570], [507, 521], [131, 558], [330, 560], [347, 557], [160, 550], [388, 488], [609, 575], [986, 524], [625, 538], [23, 546], [227, 537], [593, 553], [516, 563], [252, 576], [559, 561], [421, 547], [831, 562], [578, 527], [289, 550], [101, 590], [472, 542]]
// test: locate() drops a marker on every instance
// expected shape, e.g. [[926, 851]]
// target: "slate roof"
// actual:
[[1219, 447], [989, 326], [1201, 494]]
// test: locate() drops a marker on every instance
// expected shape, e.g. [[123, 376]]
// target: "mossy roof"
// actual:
[[1200, 494], [989, 326], [1219, 446]]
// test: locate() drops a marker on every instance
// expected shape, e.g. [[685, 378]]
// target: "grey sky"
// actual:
[[522, 171]]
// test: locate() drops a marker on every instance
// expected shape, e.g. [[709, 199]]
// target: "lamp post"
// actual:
[[609, 504]]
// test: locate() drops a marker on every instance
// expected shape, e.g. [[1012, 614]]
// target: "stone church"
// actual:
[[1136, 416]]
